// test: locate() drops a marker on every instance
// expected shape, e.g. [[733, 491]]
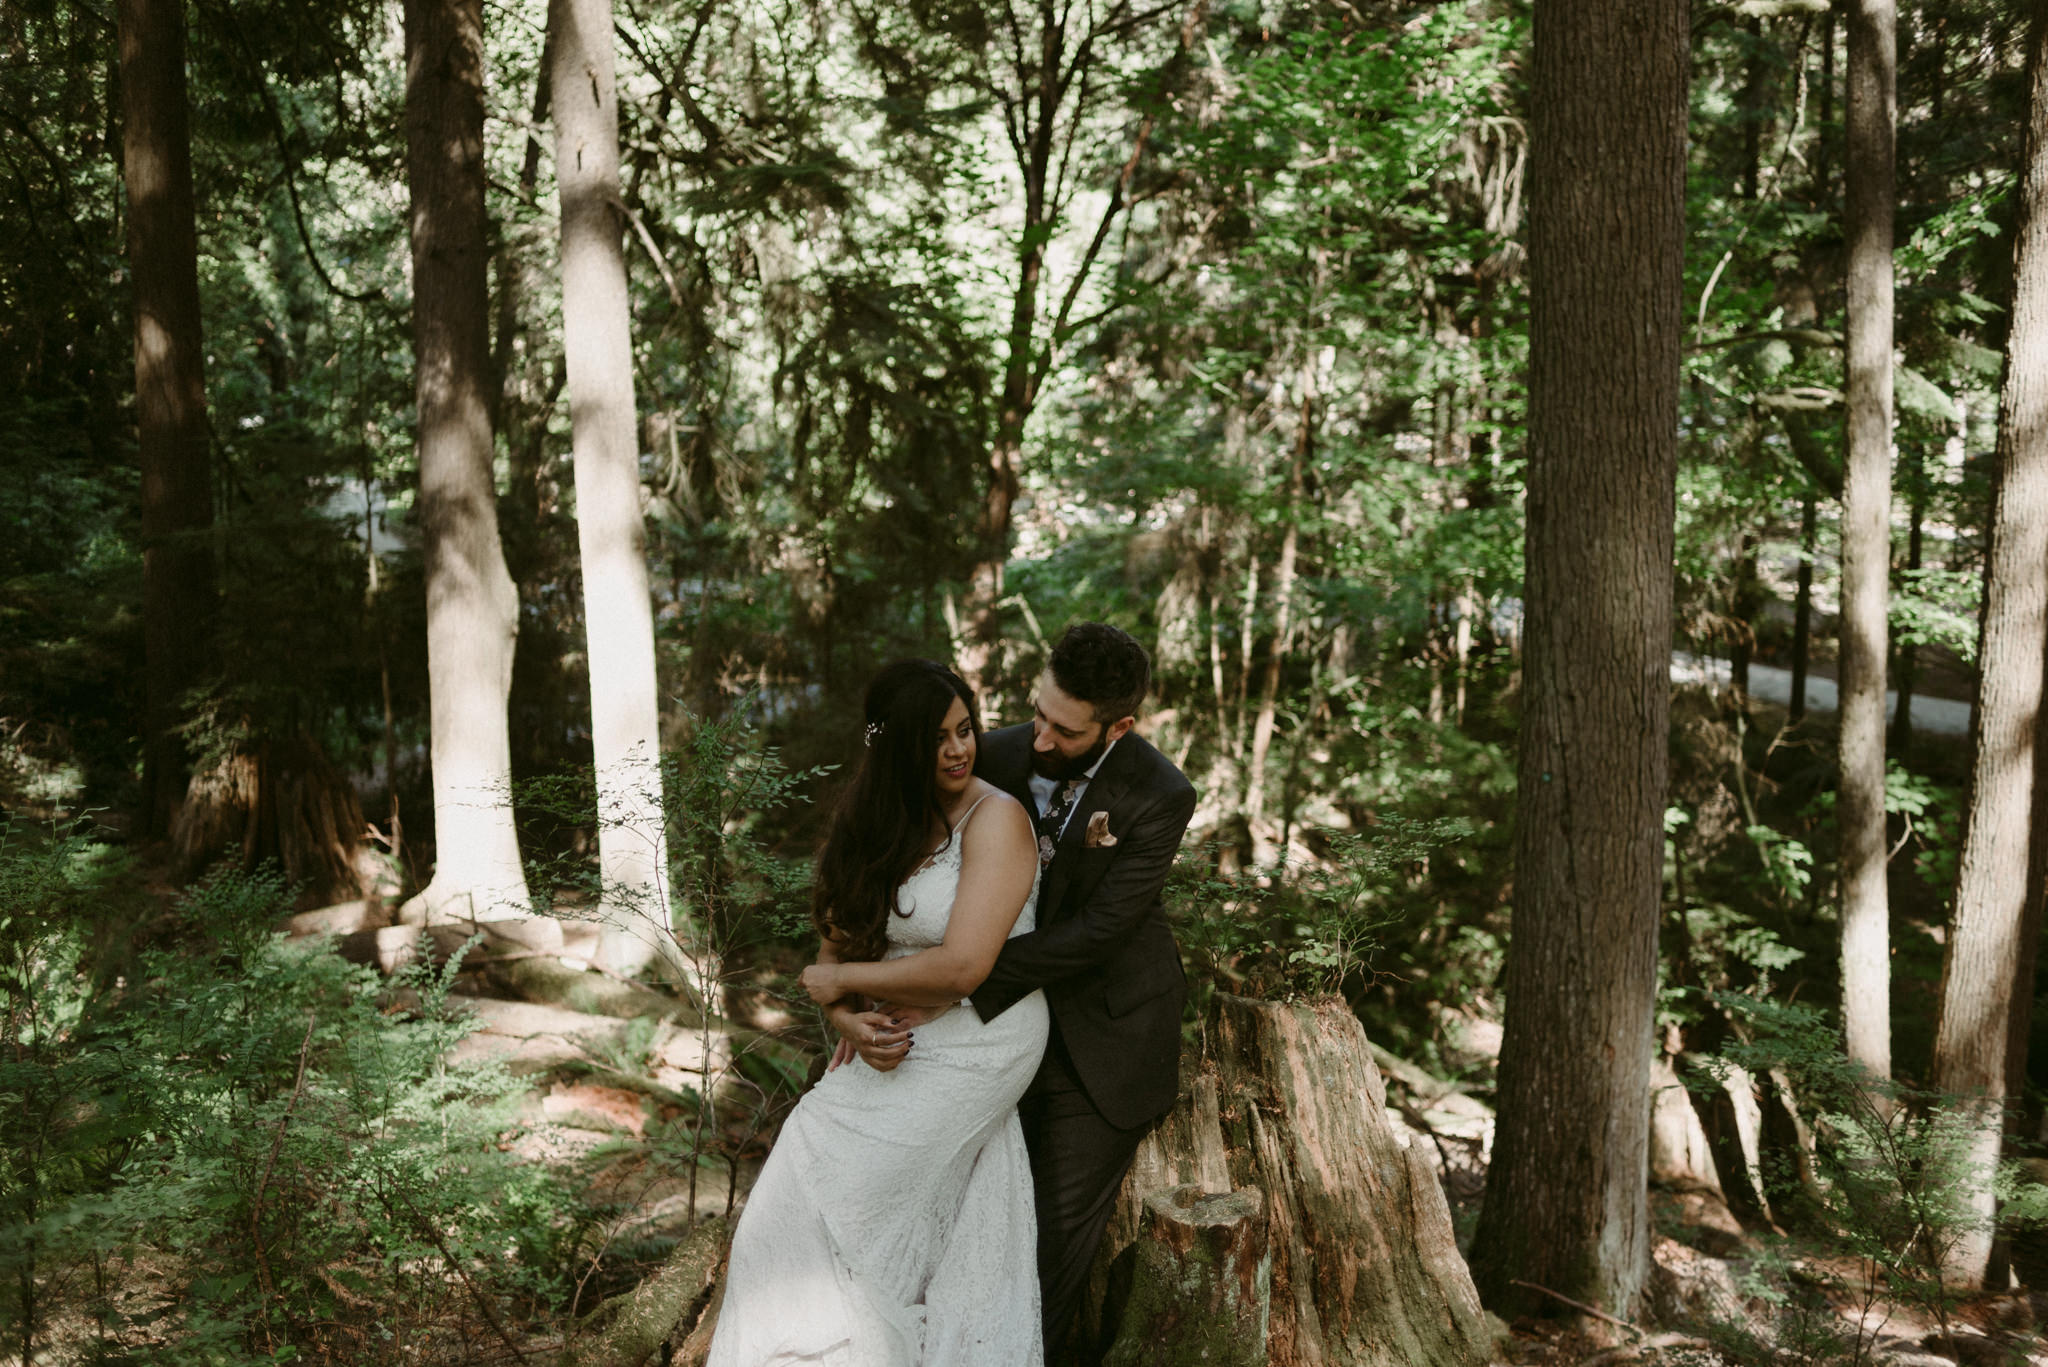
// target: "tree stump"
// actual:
[[1285, 1100], [1201, 1282]]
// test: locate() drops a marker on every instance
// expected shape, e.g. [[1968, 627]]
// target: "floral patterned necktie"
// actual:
[[1055, 817]]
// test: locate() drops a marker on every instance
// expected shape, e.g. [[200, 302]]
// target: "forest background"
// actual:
[[949, 323]]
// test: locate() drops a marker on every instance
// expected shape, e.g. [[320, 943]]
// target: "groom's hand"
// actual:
[[880, 1038]]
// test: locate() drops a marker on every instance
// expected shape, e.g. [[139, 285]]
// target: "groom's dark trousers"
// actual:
[[1112, 978]]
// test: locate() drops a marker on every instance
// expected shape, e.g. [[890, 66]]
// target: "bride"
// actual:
[[892, 1225]]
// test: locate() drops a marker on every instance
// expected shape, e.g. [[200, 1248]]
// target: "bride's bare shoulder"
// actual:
[[998, 817]]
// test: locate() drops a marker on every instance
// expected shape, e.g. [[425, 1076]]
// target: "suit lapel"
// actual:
[[1102, 792]]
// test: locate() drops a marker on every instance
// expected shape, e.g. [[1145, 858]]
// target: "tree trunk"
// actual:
[[1363, 1268], [618, 608], [1748, 601], [170, 392], [1866, 537], [1043, 94], [1802, 612], [1033, 113], [1998, 890], [1907, 668], [472, 609], [1283, 627], [281, 801], [1566, 1195]]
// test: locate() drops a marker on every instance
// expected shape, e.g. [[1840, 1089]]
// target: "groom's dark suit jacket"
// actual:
[[1102, 950]]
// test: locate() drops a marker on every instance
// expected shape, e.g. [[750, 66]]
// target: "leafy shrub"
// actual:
[[1884, 1174], [242, 1149], [1310, 929]]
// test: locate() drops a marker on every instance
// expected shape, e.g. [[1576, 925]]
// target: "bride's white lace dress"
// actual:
[[892, 1225]]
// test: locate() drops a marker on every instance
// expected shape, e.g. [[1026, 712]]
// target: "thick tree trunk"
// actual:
[[618, 609], [170, 391], [1359, 1264], [1998, 889], [1866, 537], [1566, 1196], [1802, 612], [472, 608], [281, 801]]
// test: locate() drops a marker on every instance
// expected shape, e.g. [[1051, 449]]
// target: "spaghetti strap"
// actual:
[[961, 824]]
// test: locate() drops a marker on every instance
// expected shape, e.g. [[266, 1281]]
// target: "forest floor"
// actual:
[[608, 1109], [604, 1088]]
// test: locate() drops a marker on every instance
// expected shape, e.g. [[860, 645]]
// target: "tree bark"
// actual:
[[1802, 612], [665, 1310], [472, 608], [1866, 536], [170, 391], [1998, 884], [1201, 1282], [1362, 1268], [275, 800], [1283, 628], [1566, 1195], [1747, 602], [1906, 675], [618, 609]]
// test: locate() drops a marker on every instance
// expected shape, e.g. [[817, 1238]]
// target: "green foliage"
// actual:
[[723, 789], [1315, 929], [1889, 1175], [243, 1154]]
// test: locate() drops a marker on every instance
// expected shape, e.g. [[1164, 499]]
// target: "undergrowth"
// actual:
[[217, 1146]]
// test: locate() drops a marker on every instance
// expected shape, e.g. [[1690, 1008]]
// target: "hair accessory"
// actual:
[[868, 736]]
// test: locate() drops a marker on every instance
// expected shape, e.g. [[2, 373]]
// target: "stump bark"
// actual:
[[1201, 1282], [1364, 1270]]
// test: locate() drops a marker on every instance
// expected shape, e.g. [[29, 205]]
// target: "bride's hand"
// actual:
[[876, 1037], [822, 982]]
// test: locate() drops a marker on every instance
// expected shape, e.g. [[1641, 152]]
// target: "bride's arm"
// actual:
[[998, 861]]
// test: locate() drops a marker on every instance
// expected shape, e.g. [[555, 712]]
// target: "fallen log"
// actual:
[[516, 958], [666, 1310], [1285, 1100]]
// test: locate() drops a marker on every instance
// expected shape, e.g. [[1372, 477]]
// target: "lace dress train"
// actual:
[[892, 1224]]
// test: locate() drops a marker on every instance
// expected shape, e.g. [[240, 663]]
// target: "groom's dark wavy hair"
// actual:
[[881, 829]]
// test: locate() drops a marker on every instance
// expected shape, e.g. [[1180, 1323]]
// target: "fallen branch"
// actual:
[[1580, 1306]]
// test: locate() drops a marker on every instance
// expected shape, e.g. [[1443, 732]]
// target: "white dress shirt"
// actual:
[[1043, 788]]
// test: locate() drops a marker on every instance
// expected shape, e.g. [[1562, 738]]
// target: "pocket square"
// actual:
[[1098, 831]]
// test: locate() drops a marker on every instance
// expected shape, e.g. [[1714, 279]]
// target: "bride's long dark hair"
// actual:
[[881, 828]]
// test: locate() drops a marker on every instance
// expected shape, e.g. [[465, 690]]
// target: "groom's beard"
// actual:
[[1057, 767]]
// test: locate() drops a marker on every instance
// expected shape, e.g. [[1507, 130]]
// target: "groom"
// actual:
[[1110, 812]]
